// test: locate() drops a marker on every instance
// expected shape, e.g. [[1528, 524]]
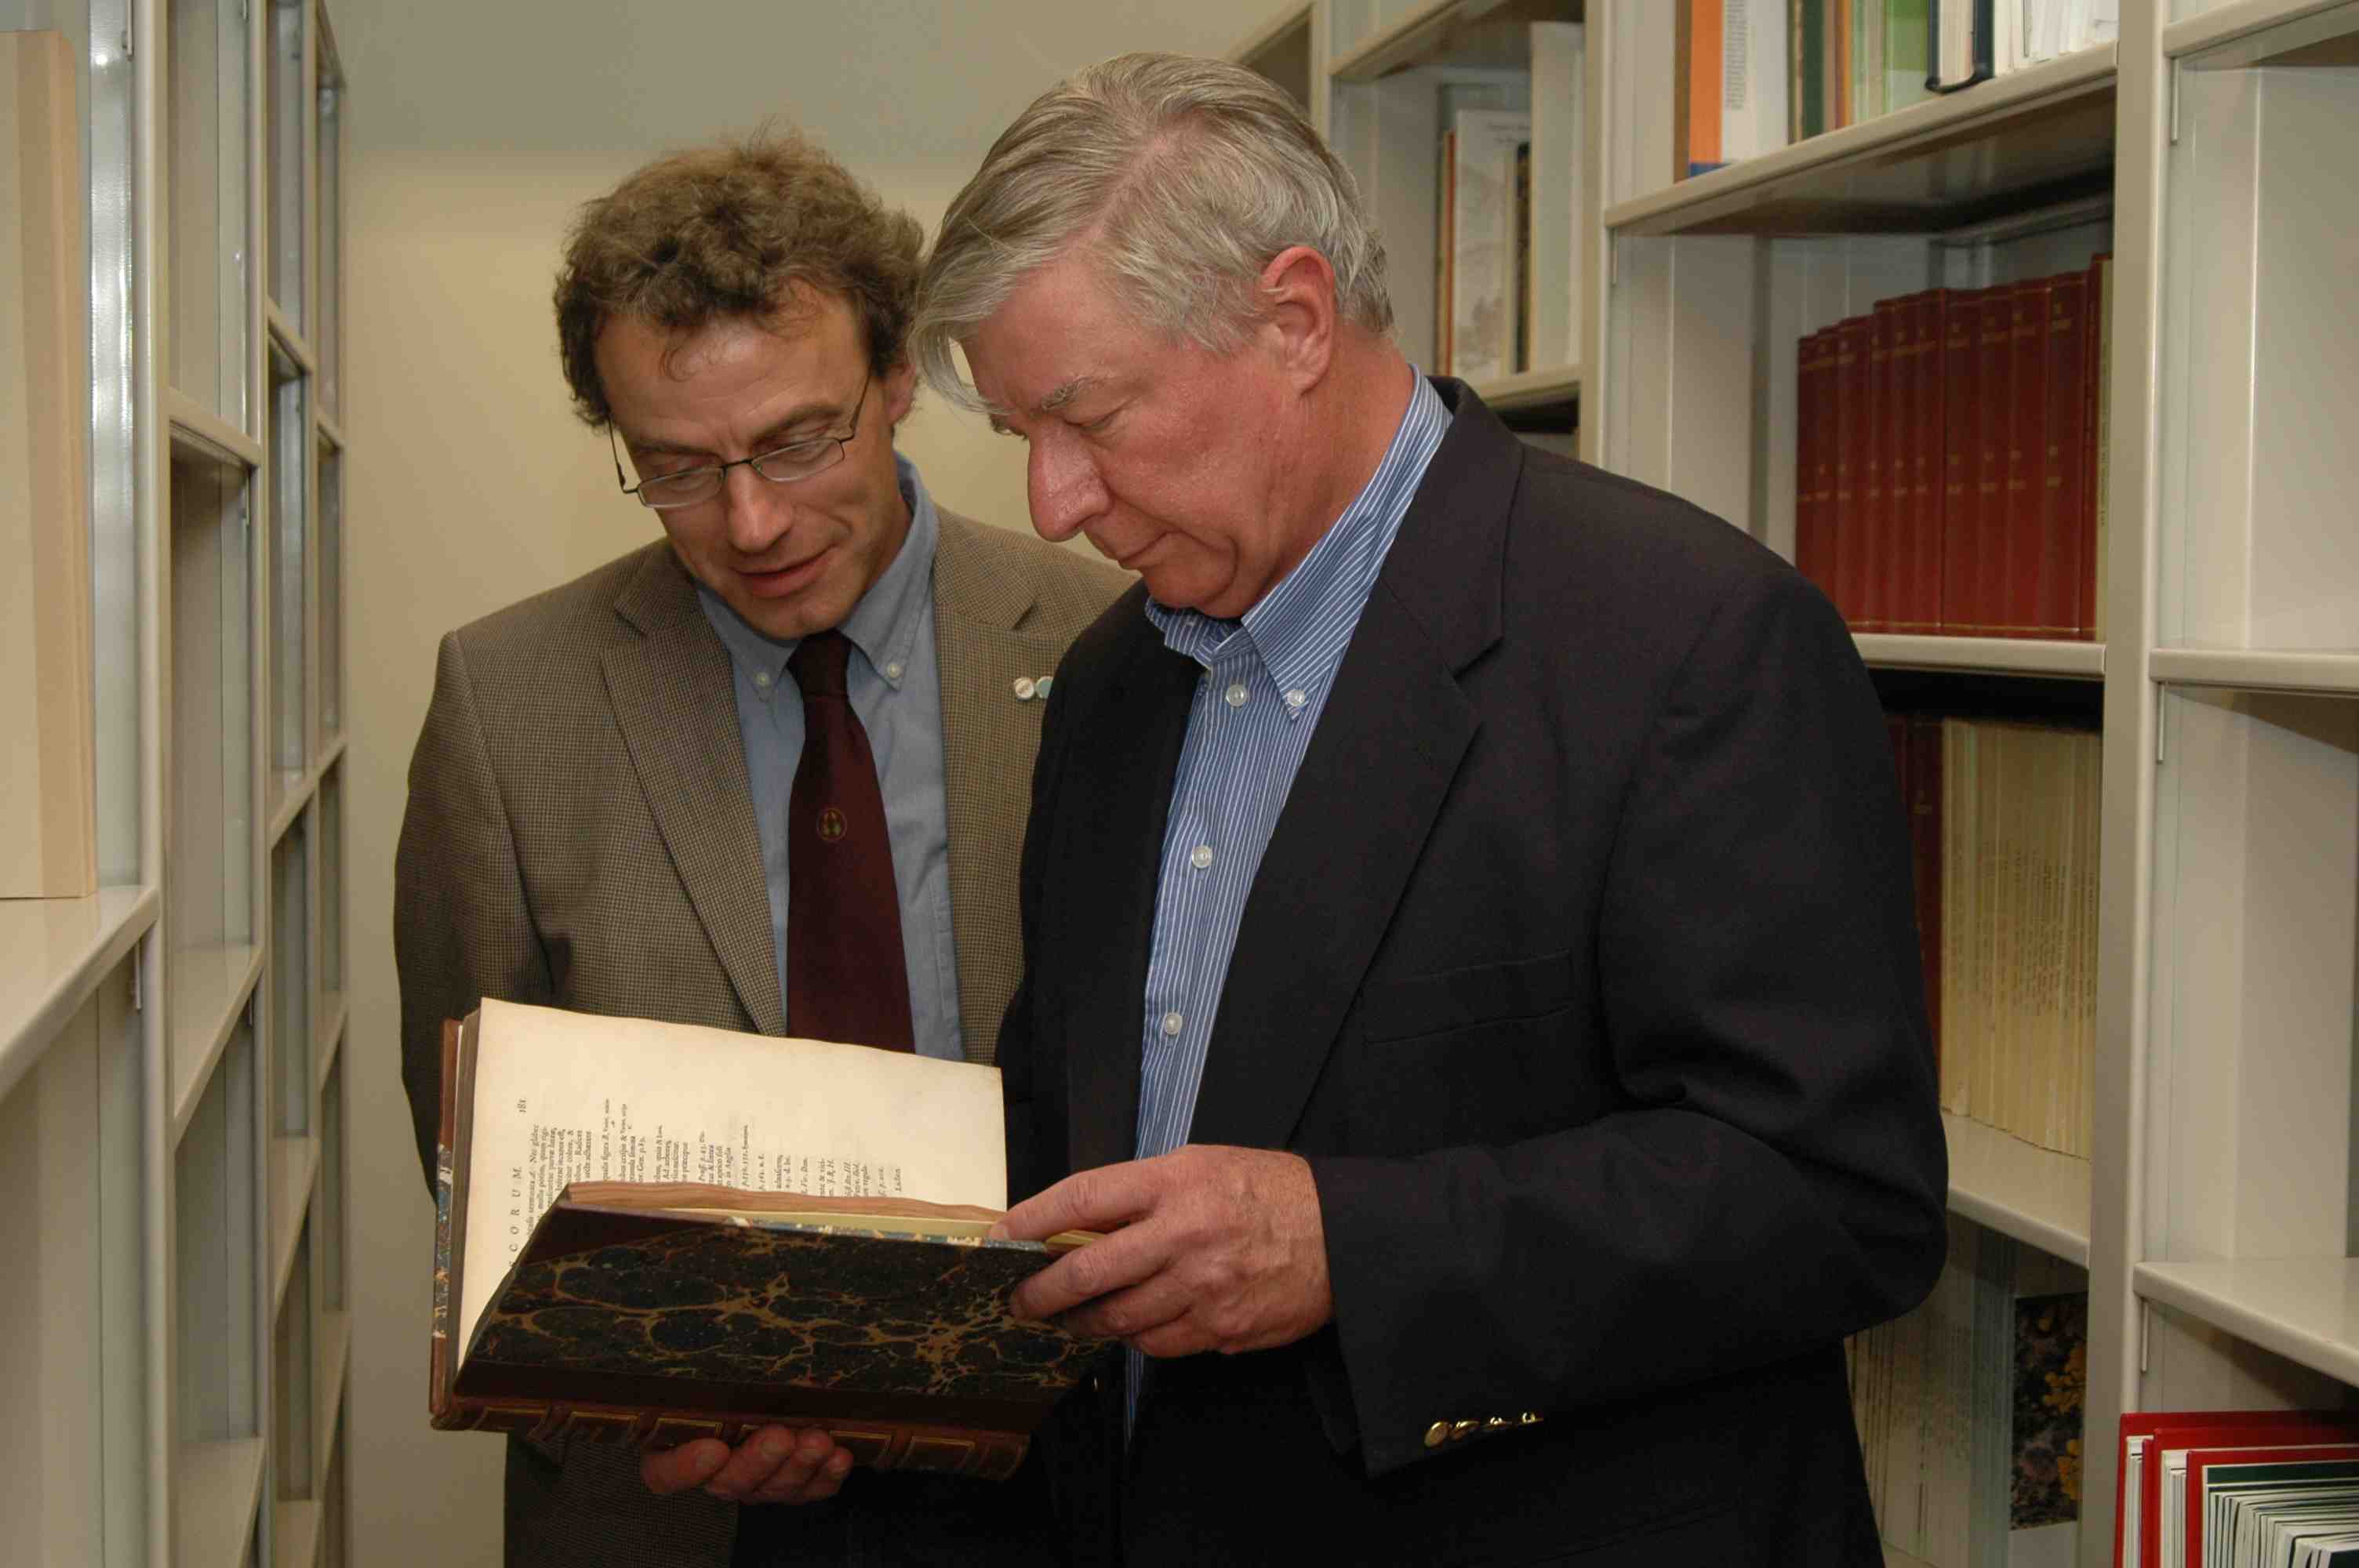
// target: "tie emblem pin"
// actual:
[[832, 825]]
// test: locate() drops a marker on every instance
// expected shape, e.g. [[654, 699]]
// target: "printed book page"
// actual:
[[565, 1096]]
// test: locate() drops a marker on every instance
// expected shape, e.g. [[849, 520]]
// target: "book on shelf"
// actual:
[[1482, 241], [1558, 91], [795, 1232], [2004, 833], [1948, 460], [1974, 40], [2196, 1487], [48, 845], [1969, 1408], [1734, 86]]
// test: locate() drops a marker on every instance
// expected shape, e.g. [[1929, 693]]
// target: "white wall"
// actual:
[[474, 132]]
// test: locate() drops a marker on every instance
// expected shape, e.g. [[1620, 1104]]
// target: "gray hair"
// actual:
[[1182, 176]]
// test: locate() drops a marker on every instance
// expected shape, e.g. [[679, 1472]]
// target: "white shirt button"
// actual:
[[762, 680], [1236, 696], [1200, 856], [1025, 687], [1173, 1023], [893, 672], [1296, 697]]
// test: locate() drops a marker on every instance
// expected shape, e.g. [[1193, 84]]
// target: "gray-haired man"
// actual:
[[1466, 914]]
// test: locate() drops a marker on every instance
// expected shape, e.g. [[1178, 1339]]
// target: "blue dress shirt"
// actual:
[[1266, 681], [897, 691]]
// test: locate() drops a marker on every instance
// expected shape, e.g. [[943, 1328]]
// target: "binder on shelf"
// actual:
[[49, 769]]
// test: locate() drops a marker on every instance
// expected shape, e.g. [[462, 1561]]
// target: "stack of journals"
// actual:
[[2004, 820], [1969, 1409], [1949, 460], [2237, 1490]]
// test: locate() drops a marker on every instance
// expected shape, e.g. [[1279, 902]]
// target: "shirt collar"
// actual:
[[1302, 627], [883, 625]]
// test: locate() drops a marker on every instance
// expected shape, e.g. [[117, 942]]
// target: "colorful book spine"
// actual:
[[2032, 604], [2064, 508], [1962, 463]]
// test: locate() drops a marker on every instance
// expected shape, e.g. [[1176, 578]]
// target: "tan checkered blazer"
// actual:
[[580, 834]]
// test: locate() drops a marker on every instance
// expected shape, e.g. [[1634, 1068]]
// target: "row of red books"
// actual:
[[2204, 1486], [1949, 460]]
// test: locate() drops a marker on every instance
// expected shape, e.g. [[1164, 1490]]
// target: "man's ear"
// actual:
[[898, 389], [1298, 297]]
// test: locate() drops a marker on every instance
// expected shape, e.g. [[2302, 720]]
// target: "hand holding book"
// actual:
[[1207, 1249]]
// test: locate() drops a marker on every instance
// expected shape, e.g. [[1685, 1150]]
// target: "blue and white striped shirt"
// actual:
[[1266, 682]]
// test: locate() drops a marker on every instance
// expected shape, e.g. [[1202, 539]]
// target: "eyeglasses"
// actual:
[[779, 465]]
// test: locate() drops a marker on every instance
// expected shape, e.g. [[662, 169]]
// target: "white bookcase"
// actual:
[[2207, 148], [1373, 75], [171, 1093]]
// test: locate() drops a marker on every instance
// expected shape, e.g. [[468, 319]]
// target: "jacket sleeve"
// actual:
[[1775, 1177], [462, 930]]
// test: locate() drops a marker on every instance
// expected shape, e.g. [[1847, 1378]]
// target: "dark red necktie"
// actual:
[[845, 978]]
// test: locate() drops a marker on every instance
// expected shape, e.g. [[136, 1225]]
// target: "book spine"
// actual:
[[879, 1445], [441, 1361], [1924, 800], [1704, 85], [1848, 414], [2100, 379], [2031, 595], [1924, 444], [2066, 510], [1810, 362], [1994, 419], [1960, 461], [1867, 433], [1904, 610]]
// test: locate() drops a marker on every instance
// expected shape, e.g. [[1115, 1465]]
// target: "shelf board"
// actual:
[[331, 430], [290, 789], [209, 987], [1266, 38], [2306, 1309], [59, 950], [293, 1163], [2256, 669], [329, 1038], [192, 422], [215, 1487], [295, 1534], [2032, 135], [1986, 656], [2032, 1194], [1531, 389], [2331, 20], [335, 1347], [1469, 32]]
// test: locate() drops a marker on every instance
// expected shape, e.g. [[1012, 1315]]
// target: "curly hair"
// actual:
[[727, 231]]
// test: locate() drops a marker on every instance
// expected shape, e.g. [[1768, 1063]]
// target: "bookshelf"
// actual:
[[2217, 1214], [171, 1091], [1375, 77]]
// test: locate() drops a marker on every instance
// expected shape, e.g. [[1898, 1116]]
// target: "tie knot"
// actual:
[[818, 663]]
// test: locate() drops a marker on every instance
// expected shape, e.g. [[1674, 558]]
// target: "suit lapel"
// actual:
[[1114, 805], [989, 738], [1390, 742], [676, 706]]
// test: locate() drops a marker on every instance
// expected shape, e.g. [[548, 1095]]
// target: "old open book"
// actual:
[[655, 1232]]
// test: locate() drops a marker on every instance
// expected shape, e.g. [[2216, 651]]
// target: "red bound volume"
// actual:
[[1853, 345], [2068, 520], [2030, 594], [2093, 467], [1868, 452], [1994, 429], [1892, 421], [1923, 444], [1815, 363], [1960, 461]]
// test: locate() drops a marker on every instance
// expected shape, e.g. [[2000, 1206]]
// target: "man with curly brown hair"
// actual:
[[604, 806]]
